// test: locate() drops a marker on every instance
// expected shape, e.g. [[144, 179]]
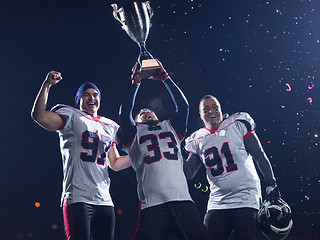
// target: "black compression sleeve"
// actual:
[[254, 147], [127, 125], [191, 165], [180, 116]]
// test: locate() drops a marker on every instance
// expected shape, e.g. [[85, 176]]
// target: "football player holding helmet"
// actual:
[[274, 219]]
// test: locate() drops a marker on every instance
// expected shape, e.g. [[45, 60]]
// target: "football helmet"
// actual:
[[274, 219]]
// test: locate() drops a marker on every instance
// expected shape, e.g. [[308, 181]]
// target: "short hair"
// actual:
[[208, 96]]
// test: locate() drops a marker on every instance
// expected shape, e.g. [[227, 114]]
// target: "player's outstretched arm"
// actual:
[[180, 115], [46, 119], [127, 124], [117, 162]]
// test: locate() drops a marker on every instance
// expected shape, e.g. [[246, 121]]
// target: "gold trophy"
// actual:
[[135, 20]]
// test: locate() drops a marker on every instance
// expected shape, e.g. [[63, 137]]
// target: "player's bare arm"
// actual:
[[117, 162], [46, 119]]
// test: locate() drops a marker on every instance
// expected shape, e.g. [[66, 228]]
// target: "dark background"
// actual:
[[248, 53]]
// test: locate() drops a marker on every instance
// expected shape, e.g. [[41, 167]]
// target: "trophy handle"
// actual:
[[150, 10], [116, 12]]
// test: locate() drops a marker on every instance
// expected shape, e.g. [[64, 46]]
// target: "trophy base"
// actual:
[[148, 67]]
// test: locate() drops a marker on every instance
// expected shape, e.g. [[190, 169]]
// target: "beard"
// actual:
[[152, 122]]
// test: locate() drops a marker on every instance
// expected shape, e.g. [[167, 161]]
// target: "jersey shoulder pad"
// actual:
[[62, 109], [192, 142], [66, 112], [166, 122], [108, 121], [244, 118], [197, 135]]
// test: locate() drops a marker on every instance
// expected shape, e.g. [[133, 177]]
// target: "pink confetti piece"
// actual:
[[310, 87], [289, 87]]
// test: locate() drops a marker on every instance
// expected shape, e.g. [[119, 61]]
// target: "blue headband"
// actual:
[[81, 89]]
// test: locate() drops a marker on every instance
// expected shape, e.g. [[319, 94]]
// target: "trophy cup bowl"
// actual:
[[135, 20]]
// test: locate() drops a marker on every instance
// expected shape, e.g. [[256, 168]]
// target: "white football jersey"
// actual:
[[84, 142], [155, 155], [233, 179]]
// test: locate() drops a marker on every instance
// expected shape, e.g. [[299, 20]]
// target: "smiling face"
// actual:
[[210, 113], [90, 102], [146, 116]]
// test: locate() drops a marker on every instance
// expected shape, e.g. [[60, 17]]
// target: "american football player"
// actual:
[[87, 144], [227, 148], [154, 149]]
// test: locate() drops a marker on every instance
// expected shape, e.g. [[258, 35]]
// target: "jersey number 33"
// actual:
[[154, 150]]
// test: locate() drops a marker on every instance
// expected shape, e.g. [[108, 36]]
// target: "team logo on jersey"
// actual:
[[154, 128]]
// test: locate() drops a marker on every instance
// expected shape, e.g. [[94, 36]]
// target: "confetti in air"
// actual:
[[310, 87], [310, 100], [205, 189], [289, 87]]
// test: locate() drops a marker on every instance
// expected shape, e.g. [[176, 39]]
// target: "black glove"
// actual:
[[273, 194]]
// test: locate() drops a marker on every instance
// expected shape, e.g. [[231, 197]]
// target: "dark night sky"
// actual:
[[261, 57]]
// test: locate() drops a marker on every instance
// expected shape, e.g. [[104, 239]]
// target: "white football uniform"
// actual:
[[155, 155], [233, 179], [84, 142]]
